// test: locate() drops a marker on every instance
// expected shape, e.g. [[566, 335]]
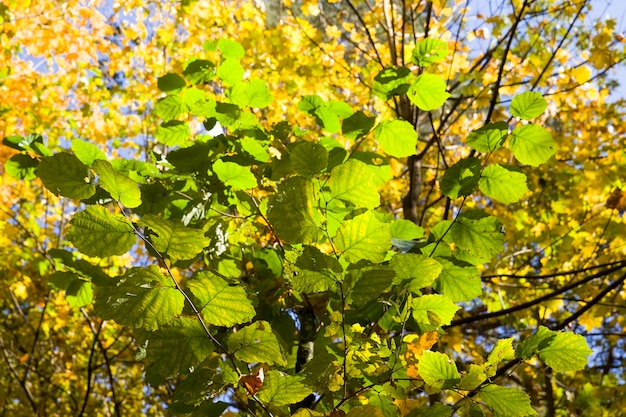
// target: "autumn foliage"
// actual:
[[311, 209]]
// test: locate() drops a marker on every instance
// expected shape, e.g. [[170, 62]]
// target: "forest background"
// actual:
[[320, 208]]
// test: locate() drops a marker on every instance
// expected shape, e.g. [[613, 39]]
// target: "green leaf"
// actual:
[[316, 271], [428, 51], [396, 137], [532, 144], [87, 152], [173, 239], [488, 138], [503, 183], [418, 270], [527, 348], [528, 105], [363, 237], [22, 167], [357, 125], [566, 352], [174, 133], [507, 402], [176, 347], [253, 93], [460, 283], [256, 343], [121, 188], [230, 48], [436, 410], [78, 292], [461, 178], [293, 211], [96, 232], [368, 284], [170, 82], [392, 81], [502, 351], [234, 175], [230, 71], [64, 174], [473, 378], [169, 107], [281, 389], [143, 298], [32, 142], [428, 92], [309, 158], [351, 182], [405, 230], [478, 237], [199, 71], [425, 306], [222, 304], [438, 370]]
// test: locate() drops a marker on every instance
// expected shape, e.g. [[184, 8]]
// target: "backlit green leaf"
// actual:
[[529, 346], [363, 237], [396, 137], [532, 144], [460, 179], [566, 352], [528, 105], [64, 174], [176, 347], [174, 133], [503, 183], [169, 107], [293, 213], [222, 304], [199, 71], [392, 81], [230, 71], [281, 389], [368, 283], [316, 272], [309, 158], [256, 343], [253, 93], [121, 188], [425, 306], [460, 283], [428, 92], [507, 402], [351, 182], [173, 239], [234, 175], [478, 236], [488, 138], [22, 167], [87, 152], [405, 230], [143, 298], [428, 51], [438, 370], [97, 232], [418, 271], [230, 48], [78, 292]]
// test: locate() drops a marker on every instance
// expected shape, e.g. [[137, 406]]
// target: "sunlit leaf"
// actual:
[[392, 81], [503, 183], [488, 138], [428, 51], [506, 401], [169, 107], [173, 239], [398, 138], [418, 271], [97, 232], [440, 305], [64, 174], [143, 298], [234, 175], [532, 144], [460, 179], [87, 152], [256, 343], [363, 237], [480, 237], [222, 304], [230, 48], [21, 167], [460, 283], [428, 92], [438, 370], [251, 93], [352, 183], [121, 188], [230, 71], [528, 105], [174, 133], [566, 352], [281, 389]]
